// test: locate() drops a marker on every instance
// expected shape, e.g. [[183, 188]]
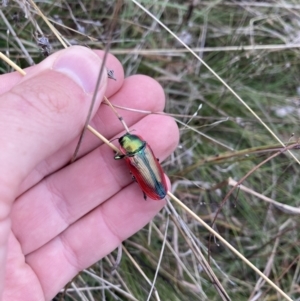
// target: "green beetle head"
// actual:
[[131, 143]]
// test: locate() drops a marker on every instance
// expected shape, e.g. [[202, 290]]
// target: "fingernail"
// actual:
[[82, 66]]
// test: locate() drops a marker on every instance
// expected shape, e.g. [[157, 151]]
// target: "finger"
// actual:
[[63, 155], [46, 110], [20, 282], [140, 92], [112, 63], [58, 201], [40, 115], [9, 80], [91, 238]]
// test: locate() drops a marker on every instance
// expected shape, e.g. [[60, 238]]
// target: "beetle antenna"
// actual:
[[117, 114]]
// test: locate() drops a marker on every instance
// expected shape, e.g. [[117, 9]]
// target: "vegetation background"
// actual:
[[254, 47]]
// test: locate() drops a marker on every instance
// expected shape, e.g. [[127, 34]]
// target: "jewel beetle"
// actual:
[[143, 165]]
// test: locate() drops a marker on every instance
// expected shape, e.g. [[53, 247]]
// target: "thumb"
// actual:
[[40, 114], [46, 110]]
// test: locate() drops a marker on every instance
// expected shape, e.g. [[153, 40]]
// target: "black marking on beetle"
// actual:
[[158, 185]]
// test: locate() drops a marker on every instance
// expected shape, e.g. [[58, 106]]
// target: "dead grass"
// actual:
[[252, 46]]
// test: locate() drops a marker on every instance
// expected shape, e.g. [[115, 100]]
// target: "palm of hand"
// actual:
[[65, 218]]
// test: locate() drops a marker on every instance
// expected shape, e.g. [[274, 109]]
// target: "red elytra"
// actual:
[[143, 165]]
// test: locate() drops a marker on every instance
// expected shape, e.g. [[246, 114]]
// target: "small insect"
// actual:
[[44, 44], [143, 165], [111, 74], [16, 17]]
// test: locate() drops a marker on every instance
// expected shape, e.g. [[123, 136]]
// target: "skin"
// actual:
[[58, 218]]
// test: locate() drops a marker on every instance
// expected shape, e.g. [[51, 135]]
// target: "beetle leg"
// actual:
[[145, 197], [118, 157]]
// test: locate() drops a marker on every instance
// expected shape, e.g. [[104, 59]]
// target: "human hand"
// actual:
[[56, 220]]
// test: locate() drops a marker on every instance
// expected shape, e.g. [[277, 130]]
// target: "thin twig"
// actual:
[[160, 258], [117, 114], [179, 52], [107, 142], [53, 29], [101, 72], [283, 207], [216, 75], [24, 50], [12, 64], [141, 272], [229, 246]]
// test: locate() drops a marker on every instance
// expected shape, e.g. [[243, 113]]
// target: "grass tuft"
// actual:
[[252, 46]]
